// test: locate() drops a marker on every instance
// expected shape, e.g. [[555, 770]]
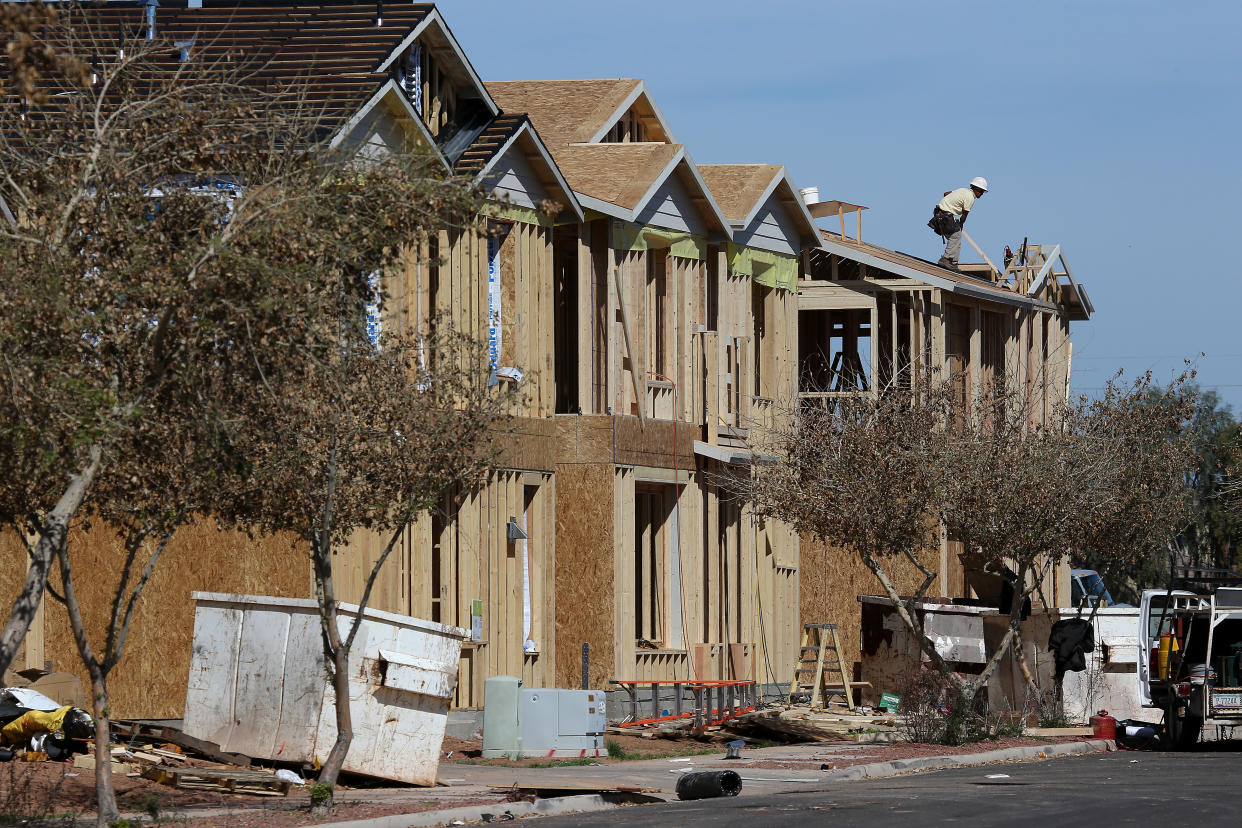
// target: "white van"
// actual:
[[1202, 677]]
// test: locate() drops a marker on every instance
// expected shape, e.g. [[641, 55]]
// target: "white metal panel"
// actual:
[[260, 681], [672, 207], [212, 684], [957, 637], [302, 694], [427, 676]]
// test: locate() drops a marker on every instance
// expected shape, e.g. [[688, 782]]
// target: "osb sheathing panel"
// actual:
[[832, 580], [584, 573], [584, 439], [528, 443], [150, 680], [627, 441], [651, 443]]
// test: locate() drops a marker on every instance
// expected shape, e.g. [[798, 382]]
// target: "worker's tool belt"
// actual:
[[943, 224]]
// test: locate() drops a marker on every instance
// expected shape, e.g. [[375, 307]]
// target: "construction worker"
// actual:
[[949, 216]]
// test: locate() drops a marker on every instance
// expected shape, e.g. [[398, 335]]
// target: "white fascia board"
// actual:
[[1038, 281], [723, 455], [525, 129], [802, 212], [390, 87], [683, 157], [605, 207], [808, 223], [639, 91], [434, 17], [1082, 293], [978, 292]]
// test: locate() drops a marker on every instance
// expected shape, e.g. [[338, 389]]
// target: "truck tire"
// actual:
[[1181, 729]]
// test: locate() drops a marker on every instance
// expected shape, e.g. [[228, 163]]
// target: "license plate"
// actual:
[[1227, 701]]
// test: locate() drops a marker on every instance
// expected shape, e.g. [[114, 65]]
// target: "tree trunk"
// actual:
[[1019, 654], [105, 793], [344, 720], [55, 530], [336, 655]]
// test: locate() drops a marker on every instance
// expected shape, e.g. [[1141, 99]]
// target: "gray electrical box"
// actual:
[[501, 729], [542, 722]]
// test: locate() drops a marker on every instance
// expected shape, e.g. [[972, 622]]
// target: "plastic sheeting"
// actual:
[[624, 236], [776, 270]]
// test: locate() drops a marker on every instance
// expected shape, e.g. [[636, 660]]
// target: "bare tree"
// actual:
[[381, 431], [879, 475], [860, 472]]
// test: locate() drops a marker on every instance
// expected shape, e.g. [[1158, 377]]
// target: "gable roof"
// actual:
[[620, 180], [507, 133], [742, 190], [577, 111], [619, 174], [738, 188], [333, 55]]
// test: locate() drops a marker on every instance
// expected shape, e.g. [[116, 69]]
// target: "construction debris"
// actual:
[[803, 724], [709, 784], [260, 783]]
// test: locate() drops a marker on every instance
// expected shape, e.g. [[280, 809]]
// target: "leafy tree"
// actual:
[[879, 475], [373, 434], [1209, 529], [179, 243]]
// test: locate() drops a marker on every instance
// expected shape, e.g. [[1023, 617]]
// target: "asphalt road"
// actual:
[[1130, 788]]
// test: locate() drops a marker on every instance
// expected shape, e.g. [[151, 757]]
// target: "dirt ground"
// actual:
[[54, 790]]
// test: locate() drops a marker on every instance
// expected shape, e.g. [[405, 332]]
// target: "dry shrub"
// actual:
[[934, 710], [29, 796]]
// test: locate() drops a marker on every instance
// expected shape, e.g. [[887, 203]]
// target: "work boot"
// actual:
[[947, 263]]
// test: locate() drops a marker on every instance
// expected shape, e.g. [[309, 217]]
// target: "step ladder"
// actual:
[[820, 668]]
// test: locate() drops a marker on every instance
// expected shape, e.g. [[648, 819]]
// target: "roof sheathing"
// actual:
[[899, 264], [739, 188], [331, 50], [742, 190], [619, 174], [562, 109]]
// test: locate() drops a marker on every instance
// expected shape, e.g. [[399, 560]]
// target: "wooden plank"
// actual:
[[627, 330], [976, 352], [586, 318], [623, 574]]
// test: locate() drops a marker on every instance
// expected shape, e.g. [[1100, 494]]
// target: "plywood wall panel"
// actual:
[[831, 581], [584, 582], [151, 679]]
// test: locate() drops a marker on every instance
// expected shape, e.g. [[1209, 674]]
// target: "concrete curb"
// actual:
[[474, 813], [879, 770], [597, 802]]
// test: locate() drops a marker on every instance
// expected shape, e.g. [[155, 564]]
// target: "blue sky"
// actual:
[[1111, 128]]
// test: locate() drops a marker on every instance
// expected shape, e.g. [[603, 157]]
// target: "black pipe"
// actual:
[[709, 784]]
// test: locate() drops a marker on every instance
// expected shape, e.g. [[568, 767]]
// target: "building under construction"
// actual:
[[659, 312]]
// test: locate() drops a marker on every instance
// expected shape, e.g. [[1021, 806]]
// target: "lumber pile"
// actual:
[[170, 757], [804, 724], [229, 780]]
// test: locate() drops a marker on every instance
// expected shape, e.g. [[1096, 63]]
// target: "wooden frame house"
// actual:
[[872, 318], [659, 576]]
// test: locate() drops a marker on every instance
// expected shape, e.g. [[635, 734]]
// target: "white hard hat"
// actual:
[[980, 182]]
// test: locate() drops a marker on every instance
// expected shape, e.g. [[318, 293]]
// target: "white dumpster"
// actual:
[[258, 684]]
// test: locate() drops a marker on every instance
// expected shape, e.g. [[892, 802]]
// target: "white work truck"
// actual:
[[1198, 678]]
